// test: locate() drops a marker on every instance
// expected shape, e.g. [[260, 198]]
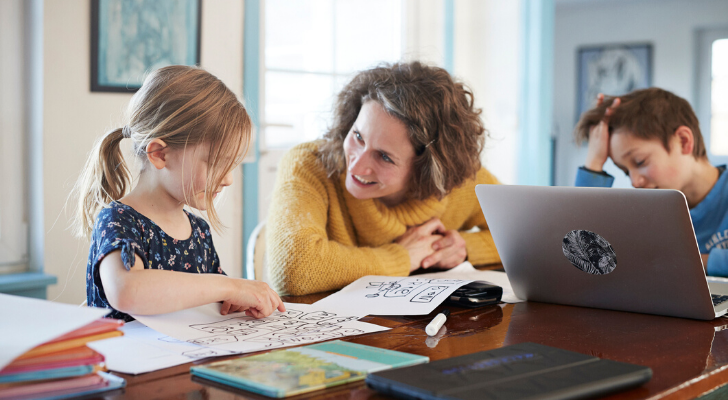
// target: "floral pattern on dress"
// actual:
[[120, 227]]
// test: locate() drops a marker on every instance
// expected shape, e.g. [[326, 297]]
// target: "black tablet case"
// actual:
[[520, 371]]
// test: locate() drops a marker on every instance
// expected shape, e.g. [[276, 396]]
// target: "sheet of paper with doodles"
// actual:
[[390, 295], [142, 349], [299, 324]]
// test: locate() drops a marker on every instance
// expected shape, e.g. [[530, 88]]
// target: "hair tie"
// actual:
[[431, 142], [126, 132]]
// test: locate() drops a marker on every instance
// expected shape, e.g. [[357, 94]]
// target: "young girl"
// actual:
[[148, 254]]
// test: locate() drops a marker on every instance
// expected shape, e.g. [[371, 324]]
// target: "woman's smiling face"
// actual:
[[379, 156]]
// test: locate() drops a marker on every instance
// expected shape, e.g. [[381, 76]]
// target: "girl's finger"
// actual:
[[225, 308]]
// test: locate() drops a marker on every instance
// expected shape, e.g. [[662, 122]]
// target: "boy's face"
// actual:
[[647, 163]]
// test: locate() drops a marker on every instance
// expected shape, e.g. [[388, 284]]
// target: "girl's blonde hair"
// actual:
[[183, 106]]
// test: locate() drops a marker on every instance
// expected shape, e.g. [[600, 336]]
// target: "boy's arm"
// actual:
[[592, 173], [588, 178], [717, 263], [149, 291]]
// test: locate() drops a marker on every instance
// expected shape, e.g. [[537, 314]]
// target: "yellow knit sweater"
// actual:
[[319, 237]]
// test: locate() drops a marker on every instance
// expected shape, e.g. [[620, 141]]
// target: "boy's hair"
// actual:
[[444, 127], [181, 105], [647, 114]]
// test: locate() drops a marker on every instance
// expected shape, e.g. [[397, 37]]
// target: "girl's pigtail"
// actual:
[[105, 178]]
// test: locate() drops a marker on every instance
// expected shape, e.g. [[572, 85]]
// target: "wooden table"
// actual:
[[688, 357]]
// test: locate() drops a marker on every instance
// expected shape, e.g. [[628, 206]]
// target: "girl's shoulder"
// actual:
[[119, 213], [200, 227], [119, 221]]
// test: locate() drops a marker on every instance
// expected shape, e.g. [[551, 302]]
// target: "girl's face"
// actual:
[[647, 163], [379, 156], [187, 180]]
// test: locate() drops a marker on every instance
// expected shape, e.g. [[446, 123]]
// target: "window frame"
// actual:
[[14, 146]]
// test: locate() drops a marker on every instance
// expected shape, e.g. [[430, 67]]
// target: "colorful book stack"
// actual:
[[63, 367]]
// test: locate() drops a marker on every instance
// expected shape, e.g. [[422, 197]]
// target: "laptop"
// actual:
[[620, 249]]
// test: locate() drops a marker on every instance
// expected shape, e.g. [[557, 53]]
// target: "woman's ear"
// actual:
[[685, 139], [157, 153]]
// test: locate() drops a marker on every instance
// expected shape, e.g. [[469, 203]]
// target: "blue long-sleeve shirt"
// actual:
[[710, 217]]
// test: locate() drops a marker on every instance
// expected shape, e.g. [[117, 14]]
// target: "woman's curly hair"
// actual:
[[444, 127]]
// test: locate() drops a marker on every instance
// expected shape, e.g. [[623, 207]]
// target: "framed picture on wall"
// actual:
[[131, 38], [614, 70]]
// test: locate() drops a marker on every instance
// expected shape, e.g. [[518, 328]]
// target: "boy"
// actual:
[[654, 137]]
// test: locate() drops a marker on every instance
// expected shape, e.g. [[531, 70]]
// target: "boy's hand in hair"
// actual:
[[598, 148]]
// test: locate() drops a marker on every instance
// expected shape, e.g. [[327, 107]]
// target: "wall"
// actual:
[[73, 118], [670, 25]]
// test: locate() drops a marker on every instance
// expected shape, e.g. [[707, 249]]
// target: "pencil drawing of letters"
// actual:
[[407, 286], [289, 327], [589, 252]]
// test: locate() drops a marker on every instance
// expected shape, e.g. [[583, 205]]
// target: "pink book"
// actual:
[[66, 358], [101, 325], [55, 387]]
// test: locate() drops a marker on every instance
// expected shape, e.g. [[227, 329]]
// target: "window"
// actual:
[[719, 98], [311, 50], [711, 103]]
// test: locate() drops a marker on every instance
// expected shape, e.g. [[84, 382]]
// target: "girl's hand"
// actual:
[[704, 257], [450, 251], [418, 241], [598, 148], [256, 298]]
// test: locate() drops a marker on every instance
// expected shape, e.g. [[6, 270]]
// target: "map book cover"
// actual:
[[288, 372]]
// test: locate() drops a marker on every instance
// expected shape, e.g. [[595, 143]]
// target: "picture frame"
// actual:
[[131, 38], [613, 69]]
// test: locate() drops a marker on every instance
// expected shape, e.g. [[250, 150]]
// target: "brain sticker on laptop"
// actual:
[[589, 252]]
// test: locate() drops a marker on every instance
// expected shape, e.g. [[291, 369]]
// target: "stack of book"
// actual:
[[63, 367]]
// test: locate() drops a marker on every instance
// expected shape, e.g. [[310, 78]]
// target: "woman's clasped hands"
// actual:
[[433, 245]]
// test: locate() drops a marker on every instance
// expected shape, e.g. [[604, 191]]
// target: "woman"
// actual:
[[388, 190]]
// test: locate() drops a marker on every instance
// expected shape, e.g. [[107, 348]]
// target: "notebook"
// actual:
[[288, 372], [619, 249], [522, 371]]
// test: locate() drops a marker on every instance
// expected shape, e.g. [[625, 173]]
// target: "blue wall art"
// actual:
[[130, 38]]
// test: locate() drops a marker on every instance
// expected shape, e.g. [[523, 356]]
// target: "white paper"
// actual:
[[26, 323], [389, 295], [142, 349], [300, 324], [467, 271]]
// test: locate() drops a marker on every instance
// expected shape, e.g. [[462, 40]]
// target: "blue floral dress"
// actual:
[[120, 227]]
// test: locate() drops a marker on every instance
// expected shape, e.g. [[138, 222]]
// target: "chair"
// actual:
[[255, 262]]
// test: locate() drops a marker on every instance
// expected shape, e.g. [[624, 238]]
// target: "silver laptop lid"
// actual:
[[620, 249]]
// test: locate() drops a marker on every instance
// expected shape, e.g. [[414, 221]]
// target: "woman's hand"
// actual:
[[598, 148], [418, 241], [450, 251], [256, 298]]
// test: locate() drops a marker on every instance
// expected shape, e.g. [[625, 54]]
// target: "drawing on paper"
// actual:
[[418, 290], [289, 327]]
